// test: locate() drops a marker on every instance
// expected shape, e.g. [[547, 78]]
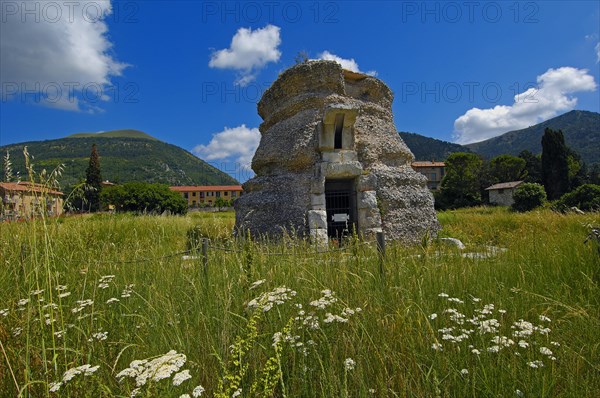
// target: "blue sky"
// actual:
[[190, 72]]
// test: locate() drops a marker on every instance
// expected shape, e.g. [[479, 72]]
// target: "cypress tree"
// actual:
[[555, 164], [93, 181]]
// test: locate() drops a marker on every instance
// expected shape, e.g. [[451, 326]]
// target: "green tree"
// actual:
[[528, 196], [143, 197], [533, 166], [93, 181], [555, 164], [461, 183], [507, 168], [585, 197]]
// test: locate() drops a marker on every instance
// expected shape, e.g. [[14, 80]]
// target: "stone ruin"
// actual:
[[330, 162]]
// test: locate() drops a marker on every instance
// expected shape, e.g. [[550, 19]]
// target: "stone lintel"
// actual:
[[341, 170], [339, 156]]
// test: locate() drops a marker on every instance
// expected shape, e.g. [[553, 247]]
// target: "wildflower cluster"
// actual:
[[483, 332], [85, 370], [166, 366]]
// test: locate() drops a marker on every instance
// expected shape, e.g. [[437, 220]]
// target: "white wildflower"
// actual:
[[443, 295], [555, 343], [464, 372], [545, 351], [112, 300], [456, 300], [23, 302], [84, 370], [59, 334], [54, 387], [523, 344], [198, 390], [17, 331], [4, 312], [181, 377], [65, 294], [535, 364], [519, 393], [37, 292], [60, 288], [103, 286], [489, 326], [494, 348], [237, 393], [475, 351], [436, 346], [544, 318], [329, 318], [327, 299], [276, 338], [157, 369], [127, 291], [433, 316], [349, 364], [100, 336], [371, 391], [185, 396], [524, 328]]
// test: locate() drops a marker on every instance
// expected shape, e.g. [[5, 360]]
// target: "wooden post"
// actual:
[[381, 251], [205, 257]]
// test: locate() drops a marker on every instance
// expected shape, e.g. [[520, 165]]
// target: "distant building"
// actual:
[[27, 200], [502, 194], [198, 196], [434, 171]]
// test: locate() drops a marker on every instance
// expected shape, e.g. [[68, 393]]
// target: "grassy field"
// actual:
[[108, 306]]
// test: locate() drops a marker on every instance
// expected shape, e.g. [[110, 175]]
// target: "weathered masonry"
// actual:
[[331, 162]]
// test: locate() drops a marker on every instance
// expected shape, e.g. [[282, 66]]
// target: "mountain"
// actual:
[[581, 130], [425, 148], [125, 155], [115, 134]]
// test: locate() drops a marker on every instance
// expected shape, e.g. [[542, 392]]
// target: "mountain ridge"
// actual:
[[124, 157], [580, 128]]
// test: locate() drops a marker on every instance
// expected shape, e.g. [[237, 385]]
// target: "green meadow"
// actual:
[[118, 306]]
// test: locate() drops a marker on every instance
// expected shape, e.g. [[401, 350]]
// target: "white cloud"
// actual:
[[552, 96], [232, 145], [349, 64], [597, 48], [59, 43], [249, 52]]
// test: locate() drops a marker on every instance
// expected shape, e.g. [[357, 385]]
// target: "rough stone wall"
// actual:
[[296, 156]]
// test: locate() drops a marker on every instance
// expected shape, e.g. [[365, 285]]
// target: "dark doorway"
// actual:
[[340, 203]]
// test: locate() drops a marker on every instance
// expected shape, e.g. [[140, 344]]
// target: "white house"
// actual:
[[502, 194]]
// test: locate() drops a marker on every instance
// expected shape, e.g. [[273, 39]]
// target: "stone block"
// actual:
[[317, 201], [343, 170], [317, 219], [366, 182], [367, 200], [319, 237], [369, 218]]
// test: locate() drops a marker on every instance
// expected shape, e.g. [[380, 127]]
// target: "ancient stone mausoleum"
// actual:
[[330, 162]]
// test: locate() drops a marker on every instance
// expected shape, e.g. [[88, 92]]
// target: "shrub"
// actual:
[[528, 196], [585, 197], [143, 197]]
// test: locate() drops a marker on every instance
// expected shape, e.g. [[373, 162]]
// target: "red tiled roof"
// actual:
[[27, 187], [504, 185], [428, 164], [207, 188]]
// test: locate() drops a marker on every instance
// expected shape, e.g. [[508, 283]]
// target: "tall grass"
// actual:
[[376, 336]]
